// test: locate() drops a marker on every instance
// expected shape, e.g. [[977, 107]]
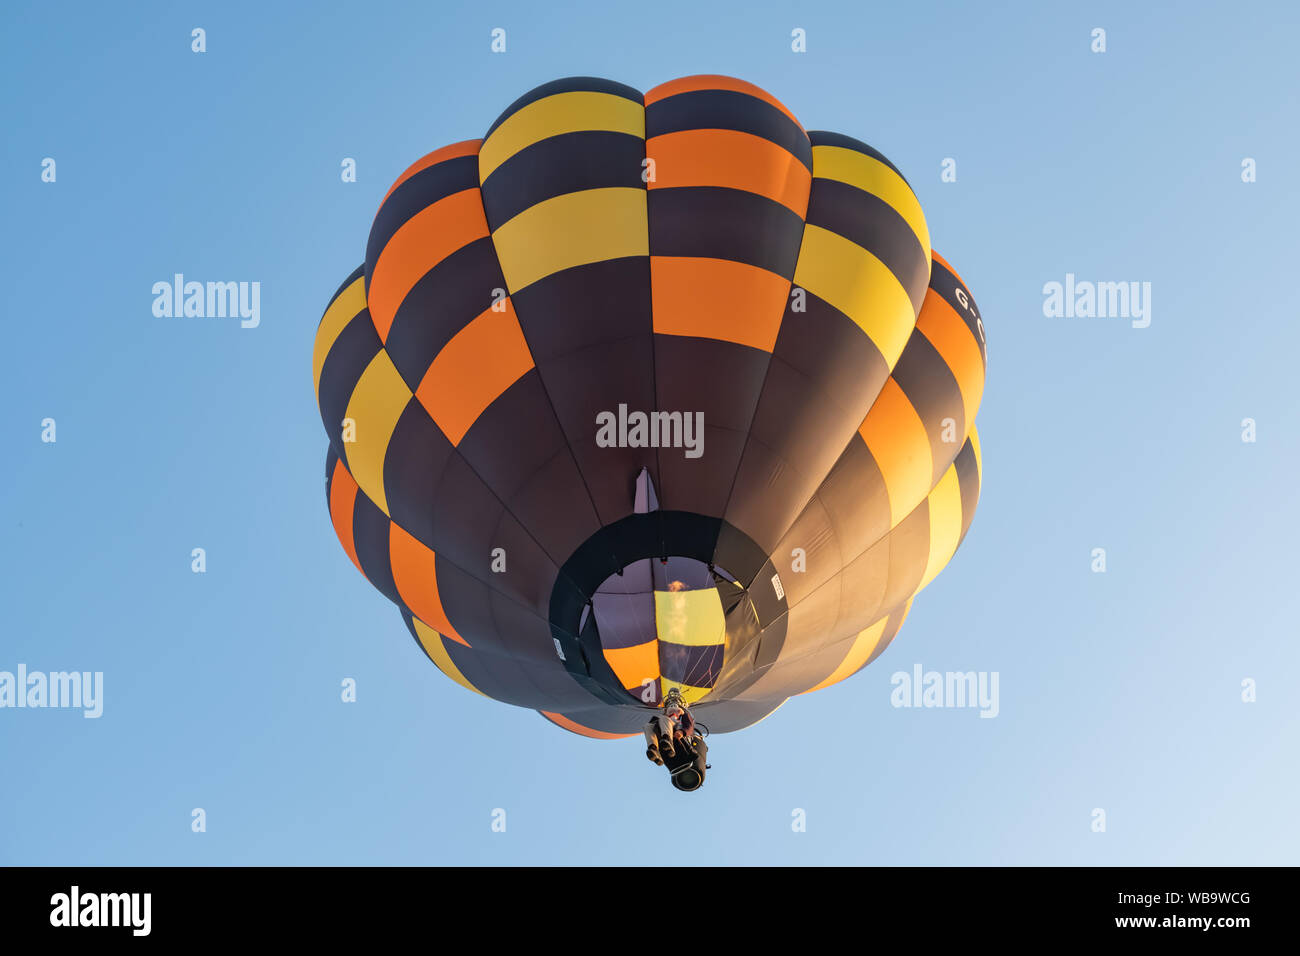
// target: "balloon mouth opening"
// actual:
[[660, 600], [660, 624]]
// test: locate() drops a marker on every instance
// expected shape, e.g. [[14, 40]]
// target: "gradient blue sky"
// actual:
[[1118, 690]]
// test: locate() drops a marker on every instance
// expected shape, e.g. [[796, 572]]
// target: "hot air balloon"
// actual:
[[651, 392]]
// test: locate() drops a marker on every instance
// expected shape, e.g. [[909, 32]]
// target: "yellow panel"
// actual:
[[376, 403], [341, 311], [431, 641], [871, 175], [945, 524], [592, 225], [975, 445], [689, 694], [858, 284], [692, 618], [561, 113], [863, 645]]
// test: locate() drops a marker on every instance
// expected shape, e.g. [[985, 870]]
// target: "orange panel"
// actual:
[[717, 299], [343, 499], [480, 362], [421, 242], [897, 439], [731, 159], [577, 728], [416, 575], [952, 339], [634, 665]]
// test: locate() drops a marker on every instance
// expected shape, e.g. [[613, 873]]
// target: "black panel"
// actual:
[[569, 84], [370, 537], [873, 224], [557, 689], [415, 194], [834, 353], [637, 536], [768, 603], [412, 472], [717, 223], [968, 480], [468, 605], [727, 109], [728, 716], [863, 585], [445, 300], [737, 553], [530, 574], [474, 667], [814, 532], [589, 332], [822, 138], [354, 349], [514, 437], [909, 552], [599, 302], [856, 499], [743, 632], [554, 507], [581, 389], [524, 635], [807, 425], [771, 643], [723, 381], [810, 626], [691, 535], [562, 164], [929, 385], [945, 284], [768, 495], [464, 532]]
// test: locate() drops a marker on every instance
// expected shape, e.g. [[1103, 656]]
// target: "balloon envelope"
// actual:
[[651, 391]]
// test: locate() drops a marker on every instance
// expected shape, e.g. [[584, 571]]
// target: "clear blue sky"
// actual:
[[1118, 690]]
